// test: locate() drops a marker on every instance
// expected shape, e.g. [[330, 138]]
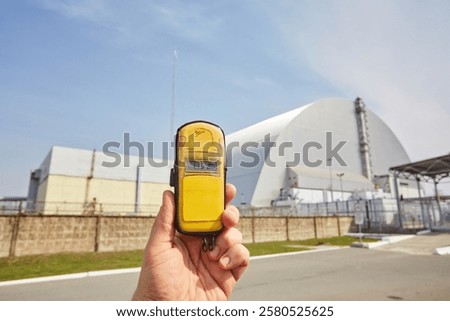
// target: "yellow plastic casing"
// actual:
[[199, 178]]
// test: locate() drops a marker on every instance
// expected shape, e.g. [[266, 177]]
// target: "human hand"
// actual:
[[176, 268]]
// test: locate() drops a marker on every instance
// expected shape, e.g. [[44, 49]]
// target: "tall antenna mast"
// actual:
[[174, 79]]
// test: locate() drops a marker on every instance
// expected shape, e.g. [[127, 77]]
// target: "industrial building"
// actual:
[[72, 181], [332, 149], [329, 150]]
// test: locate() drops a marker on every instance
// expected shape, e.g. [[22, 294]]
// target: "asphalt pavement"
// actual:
[[347, 274]]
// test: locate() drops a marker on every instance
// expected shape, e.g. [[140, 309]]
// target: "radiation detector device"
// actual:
[[198, 177]]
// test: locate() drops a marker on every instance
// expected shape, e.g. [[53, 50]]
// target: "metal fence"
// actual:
[[10, 206], [72, 208], [379, 215], [425, 213]]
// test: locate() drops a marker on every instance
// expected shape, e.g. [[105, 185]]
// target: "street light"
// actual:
[[331, 179], [340, 181]]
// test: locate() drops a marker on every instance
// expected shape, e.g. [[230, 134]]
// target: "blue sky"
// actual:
[[81, 73]]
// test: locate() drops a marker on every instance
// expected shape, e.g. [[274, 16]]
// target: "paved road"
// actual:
[[116, 287], [344, 274], [347, 274]]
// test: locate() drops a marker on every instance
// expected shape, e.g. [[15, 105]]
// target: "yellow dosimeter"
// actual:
[[198, 177]]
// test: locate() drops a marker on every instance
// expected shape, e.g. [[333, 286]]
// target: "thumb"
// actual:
[[163, 230]]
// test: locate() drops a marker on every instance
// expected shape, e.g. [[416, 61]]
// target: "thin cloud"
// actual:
[[393, 55], [94, 11], [141, 21]]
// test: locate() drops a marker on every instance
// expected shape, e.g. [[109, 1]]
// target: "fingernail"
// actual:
[[225, 261]]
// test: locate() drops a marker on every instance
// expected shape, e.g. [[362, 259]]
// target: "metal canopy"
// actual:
[[434, 168]]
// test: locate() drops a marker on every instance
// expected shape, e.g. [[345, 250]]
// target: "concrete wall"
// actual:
[[123, 233], [246, 227], [268, 229], [46, 234], [302, 228], [54, 234], [6, 234]]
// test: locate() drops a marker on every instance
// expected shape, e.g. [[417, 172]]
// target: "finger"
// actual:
[[224, 279], [230, 216], [224, 241], [236, 259], [230, 193], [237, 272], [163, 230]]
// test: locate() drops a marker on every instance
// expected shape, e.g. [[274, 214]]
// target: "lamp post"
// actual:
[[340, 181], [331, 179]]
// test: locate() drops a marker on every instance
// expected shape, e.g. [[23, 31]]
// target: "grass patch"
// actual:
[[265, 248], [13, 268], [335, 241]]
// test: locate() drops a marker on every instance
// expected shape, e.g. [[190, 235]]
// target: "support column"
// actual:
[[420, 201], [436, 193], [397, 196], [137, 204]]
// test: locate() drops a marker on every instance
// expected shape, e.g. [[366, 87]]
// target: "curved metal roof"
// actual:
[[304, 135]]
